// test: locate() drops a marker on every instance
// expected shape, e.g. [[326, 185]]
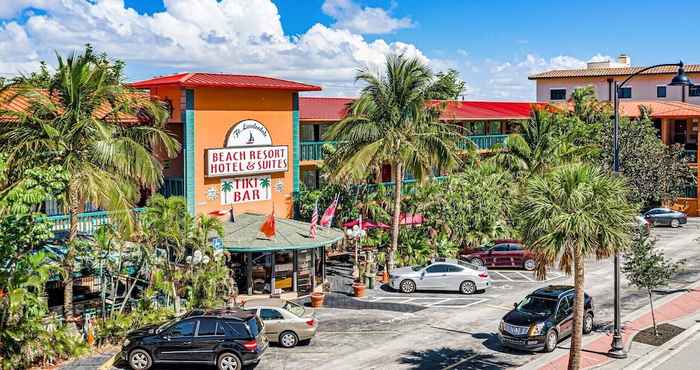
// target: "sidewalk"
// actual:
[[680, 309]]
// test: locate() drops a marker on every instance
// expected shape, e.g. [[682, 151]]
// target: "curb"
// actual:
[[109, 363], [666, 351], [548, 358]]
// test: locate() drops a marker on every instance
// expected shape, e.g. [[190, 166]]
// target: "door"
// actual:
[[516, 254], [274, 322], [435, 277], [564, 316], [210, 334], [455, 277], [177, 344], [501, 256]]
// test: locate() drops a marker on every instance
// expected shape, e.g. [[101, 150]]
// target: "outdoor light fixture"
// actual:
[[617, 349]]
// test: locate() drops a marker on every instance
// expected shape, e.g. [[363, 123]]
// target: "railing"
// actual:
[[482, 142], [409, 186], [173, 186], [692, 156], [689, 191], [88, 222], [313, 150]]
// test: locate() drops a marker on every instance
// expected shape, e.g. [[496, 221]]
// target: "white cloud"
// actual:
[[363, 20], [236, 36]]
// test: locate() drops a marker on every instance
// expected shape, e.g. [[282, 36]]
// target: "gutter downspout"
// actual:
[[610, 97]]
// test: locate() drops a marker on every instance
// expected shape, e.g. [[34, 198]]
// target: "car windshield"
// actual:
[[166, 325], [418, 268], [537, 305], [294, 308]]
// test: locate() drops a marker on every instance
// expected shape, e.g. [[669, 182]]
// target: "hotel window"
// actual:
[[694, 91], [625, 93], [307, 132], [557, 94], [660, 91]]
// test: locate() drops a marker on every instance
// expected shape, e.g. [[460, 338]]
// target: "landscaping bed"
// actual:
[[666, 333]]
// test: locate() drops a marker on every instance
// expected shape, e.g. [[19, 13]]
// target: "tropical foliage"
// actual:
[[393, 121], [575, 212], [73, 122]]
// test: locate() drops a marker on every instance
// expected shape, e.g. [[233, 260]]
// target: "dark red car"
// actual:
[[502, 253]]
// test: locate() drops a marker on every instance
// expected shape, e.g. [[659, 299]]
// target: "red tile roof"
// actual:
[[334, 109], [660, 109], [193, 80], [611, 71]]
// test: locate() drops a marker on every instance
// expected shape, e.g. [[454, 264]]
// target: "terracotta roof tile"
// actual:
[[612, 71], [222, 80]]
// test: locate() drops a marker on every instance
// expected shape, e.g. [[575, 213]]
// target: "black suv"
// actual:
[[543, 318], [228, 339]]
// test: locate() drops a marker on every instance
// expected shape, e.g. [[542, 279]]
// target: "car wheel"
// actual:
[[229, 361], [467, 287], [550, 341], [476, 261], [408, 286], [675, 223], [140, 360], [288, 339], [587, 323], [529, 264]]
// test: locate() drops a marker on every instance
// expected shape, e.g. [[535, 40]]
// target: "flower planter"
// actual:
[[383, 277], [316, 300], [359, 289]]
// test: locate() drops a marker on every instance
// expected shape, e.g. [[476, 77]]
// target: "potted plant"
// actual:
[[359, 287], [317, 299], [381, 261]]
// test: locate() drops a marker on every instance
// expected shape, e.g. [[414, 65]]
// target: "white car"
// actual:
[[444, 274]]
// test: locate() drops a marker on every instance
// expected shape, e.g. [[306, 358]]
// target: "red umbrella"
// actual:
[[366, 224], [412, 219]]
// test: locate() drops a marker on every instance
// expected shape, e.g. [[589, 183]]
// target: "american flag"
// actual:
[[314, 222]]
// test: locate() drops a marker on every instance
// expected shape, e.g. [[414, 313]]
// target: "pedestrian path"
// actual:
[[433, 302]]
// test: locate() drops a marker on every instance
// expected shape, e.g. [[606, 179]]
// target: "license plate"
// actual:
[[514, 341]]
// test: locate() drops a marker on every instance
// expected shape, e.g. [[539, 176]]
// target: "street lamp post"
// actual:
[[617, 349]]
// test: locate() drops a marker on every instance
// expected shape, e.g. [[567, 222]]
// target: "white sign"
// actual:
[[248, 132], [245, 189], [246, 160]]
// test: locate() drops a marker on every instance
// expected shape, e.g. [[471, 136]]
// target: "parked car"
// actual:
[[441, 274], [228, 339], [502, 253], [543, 318], [286, 323], [665, 216]]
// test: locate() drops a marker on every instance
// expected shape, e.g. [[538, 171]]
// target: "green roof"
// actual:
[[244, 235]]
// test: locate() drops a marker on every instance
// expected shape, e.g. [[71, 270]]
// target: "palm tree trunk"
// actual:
[[398, 179], [577, 333], [653, 317], [69, 260]]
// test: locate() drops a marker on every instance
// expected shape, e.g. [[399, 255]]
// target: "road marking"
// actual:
[[460, 306], [503, 276], [500, 307], [438, 302], [523, 275], [460, 362], [441, 302]]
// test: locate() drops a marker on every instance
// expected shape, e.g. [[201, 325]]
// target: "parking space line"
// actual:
[[501, 275], [523, 275], [461, 306], [460, 362], [438, 302]]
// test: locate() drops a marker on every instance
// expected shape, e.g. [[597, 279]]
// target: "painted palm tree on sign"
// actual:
[[75, 124], [394, 121], [575, 212], [226, 187], [265, 184]]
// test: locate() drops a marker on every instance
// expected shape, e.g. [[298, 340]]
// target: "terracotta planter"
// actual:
[[359, 289], [316, 300], [383, 277]]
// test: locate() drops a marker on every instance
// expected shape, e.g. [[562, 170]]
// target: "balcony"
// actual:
[[173, 186], [313, 150], [483, 142], [88, 222]]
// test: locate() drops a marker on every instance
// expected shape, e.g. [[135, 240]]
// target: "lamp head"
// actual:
[[681, 79]]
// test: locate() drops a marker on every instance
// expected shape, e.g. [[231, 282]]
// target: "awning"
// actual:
[[244, 235]]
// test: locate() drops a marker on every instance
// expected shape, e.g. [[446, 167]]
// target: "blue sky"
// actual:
[[493, 44]]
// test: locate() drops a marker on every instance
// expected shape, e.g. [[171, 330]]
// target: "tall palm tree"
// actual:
[[576, 211], [394, 122], [75, 123]]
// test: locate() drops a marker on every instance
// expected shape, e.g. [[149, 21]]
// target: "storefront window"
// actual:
[[262, 273], [318, 269], [284, 271], [237, 264], [306, 268]]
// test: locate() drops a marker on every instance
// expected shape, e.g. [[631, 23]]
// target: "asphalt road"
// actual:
[[453, 331]]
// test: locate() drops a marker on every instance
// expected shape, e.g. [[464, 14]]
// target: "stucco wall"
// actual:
[[643, 87], [216, 111]]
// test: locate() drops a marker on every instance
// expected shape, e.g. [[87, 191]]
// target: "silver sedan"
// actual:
[[444, 274]]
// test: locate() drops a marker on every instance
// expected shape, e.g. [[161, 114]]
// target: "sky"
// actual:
[[494, 45]]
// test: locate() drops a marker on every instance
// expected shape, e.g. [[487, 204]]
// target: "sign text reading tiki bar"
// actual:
[[246, 160]]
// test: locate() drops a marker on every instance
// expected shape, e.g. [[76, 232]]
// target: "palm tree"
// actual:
[[576, 211], [75, 124], [394, 122]]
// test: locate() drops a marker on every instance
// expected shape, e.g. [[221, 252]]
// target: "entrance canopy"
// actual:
[[244, 235]]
